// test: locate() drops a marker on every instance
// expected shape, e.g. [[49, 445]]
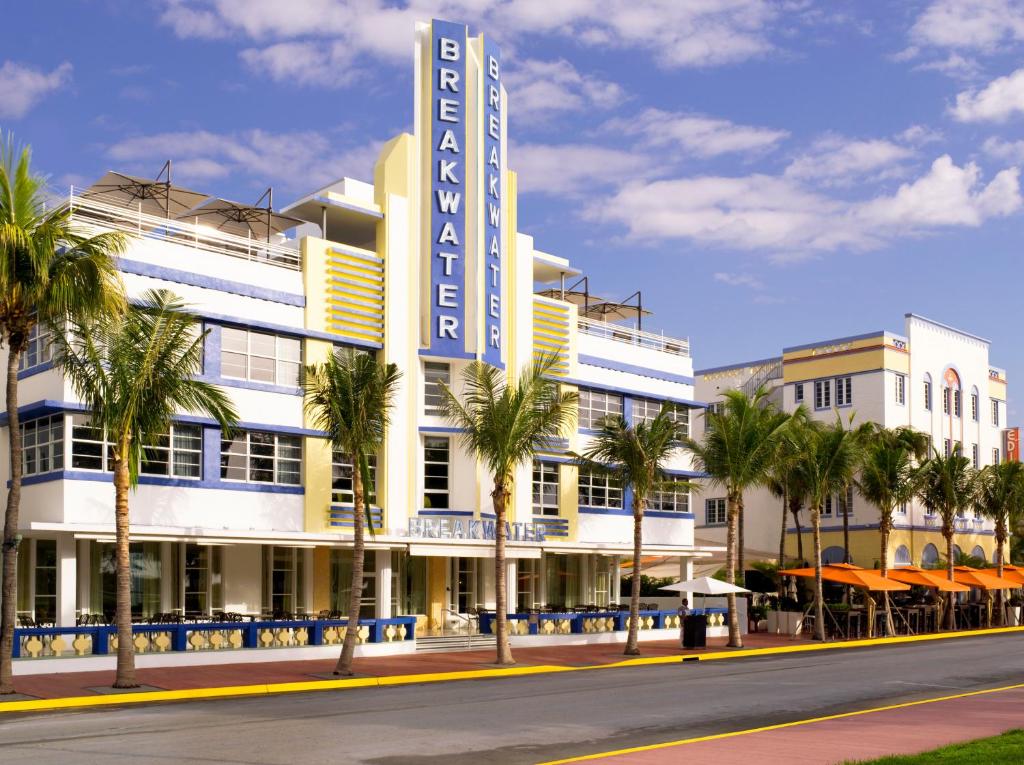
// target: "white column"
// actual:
[[306, 596], [84, 576], [585, 573], [542, 580], [169, 578], [383, 593], [67, 581], [615, 596], [511, 584], [685, 569]]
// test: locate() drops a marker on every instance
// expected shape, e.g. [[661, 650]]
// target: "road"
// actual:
[[516, 720]]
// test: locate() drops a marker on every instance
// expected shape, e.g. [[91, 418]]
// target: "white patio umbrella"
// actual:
[[704, 585]]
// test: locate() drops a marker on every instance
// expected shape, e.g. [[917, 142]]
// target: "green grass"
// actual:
[[1007, 749]]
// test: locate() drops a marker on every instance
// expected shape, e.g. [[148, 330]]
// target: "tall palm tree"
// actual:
[[1000, 497], [784, 483], [947, 487], [739, 446], [350, 397], [505, 422], [888, 479], [634, 456], [48, 273], [136, 371], [830, 460]]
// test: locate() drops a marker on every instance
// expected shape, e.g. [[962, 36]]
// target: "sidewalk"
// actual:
[[68, 684]]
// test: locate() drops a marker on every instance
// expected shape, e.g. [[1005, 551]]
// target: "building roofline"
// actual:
[[738, 365], [849, 338], [947, 326]]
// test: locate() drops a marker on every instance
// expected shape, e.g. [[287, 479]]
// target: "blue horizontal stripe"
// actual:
[[34, 370], [209, 282], [620, 366], [440, 512], [283, 329], [738, 366], [155, 480], [632, 392]]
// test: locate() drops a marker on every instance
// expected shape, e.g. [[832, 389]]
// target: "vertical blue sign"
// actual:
[[448, 170], [492, 194]]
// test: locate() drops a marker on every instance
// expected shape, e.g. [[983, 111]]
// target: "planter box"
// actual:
[[785, 622]]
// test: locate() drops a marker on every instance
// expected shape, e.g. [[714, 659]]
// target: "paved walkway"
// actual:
[[69, 683], [907, 730]]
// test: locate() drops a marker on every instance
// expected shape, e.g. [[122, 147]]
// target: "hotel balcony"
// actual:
[[634, 337]]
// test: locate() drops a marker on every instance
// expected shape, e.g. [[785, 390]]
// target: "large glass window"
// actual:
[[43, 443], [410, 576], [284, 584], [598, 491], [90, 450], [434, 374], [146, 573], [714, 511], [545, 488], [341, 583], [178, 453], [39, 349], [204, 587], [822, 394], [844, 391], [595, 405], [526, 585], [675, 499], [562, 574], [436, 471], [341, 479], [45, 605], [256, 456], [645, 410], [260, 356]]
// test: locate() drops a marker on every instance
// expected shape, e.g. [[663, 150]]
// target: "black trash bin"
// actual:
[[695, 631]]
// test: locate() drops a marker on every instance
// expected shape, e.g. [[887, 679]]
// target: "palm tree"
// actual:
[[136, 371], [830, 460], [634, 456], [947, 487], [740, 443], [1000, 497], [888, 479], [349, 397], [48, 273], [784, 483], [505, 423]]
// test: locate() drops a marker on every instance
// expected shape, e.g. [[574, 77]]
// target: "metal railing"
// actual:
[[769, 371], [468, 621], [91, 216], [618, 333]]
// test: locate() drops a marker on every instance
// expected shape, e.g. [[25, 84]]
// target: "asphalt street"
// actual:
[[515, 720]]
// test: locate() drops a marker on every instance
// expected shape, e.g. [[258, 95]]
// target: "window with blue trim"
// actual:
[[545, 488], [844, 391], [42, 442], [175, 454], [798, 393], [595, 405], [39, 349], [674, 499], [255, 456], [715, 511], [822, 394], [436, 471], [974, 455], [598, 491], [342, 491], [260, 357], [646, 409]]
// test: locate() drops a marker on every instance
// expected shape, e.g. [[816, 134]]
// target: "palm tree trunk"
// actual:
[[819, 603], [735, 639], [794, 508], [348, 646], [1000, 541], [741, 556], [782, 545], [884, 567], [948, 534], [8, 612], [125, 677], [846, 533], [500, 498], [632, 635]]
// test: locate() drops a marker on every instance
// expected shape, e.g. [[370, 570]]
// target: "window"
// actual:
[[903, 556], [822, 394], [957, 396], [844, 391], [945, 400], [341, 479], [928, 395], [434, 374], [39, 350], [260, 357], [947, 447], [714, 511], [839, 504], [798, 393], [178, 453], [974, 455], [44, 604], [974, 407], [89, 448], [995, 456], [204, 590], [645, 410], [675, 499], [256, 456], [901, 509], [901, 389], [715, 407], [598, 491], [545, 488], [43, 445], [436, 466], [284, 579], [995, 412], [596, 405]]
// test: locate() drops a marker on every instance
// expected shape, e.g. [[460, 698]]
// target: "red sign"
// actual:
[[1012, 441]]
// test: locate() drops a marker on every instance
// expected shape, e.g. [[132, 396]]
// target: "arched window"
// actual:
[[978, 552], [929, 555], [957, 553], [952, 397], [975, 404], [927, 391], [903, 556], [832, 554]]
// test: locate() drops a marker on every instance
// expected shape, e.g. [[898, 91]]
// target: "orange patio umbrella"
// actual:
[[845, 573], [982, 579], [923, 578], [1013, 574]]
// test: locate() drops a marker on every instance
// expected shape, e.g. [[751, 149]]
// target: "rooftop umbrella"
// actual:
[[982, 579], [923, 578], [704, 585], [844, 573], [152, 197], [249, 221]]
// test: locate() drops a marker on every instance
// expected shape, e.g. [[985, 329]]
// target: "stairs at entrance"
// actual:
[[442, 643]]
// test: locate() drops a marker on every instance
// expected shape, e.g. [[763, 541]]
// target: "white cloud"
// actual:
[[981, 25], [22, 87], [996, 102], [954, 65], [784, 218], [298, 161], [835, 160], [1007, 151], [543, 88], [696, 134], [570, 168], [738, 280], [319, 63]]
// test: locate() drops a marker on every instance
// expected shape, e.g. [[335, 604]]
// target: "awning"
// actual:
[[151, 197], [923, 578], [1013, 574], [982, 579], [845, 573]]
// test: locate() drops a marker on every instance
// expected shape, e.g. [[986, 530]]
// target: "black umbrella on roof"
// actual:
[[152, 196], [242, 219]]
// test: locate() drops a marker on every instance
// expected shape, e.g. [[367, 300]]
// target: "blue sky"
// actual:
[[768, 172]]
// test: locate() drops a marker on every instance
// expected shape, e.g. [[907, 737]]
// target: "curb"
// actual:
[[269, 689]]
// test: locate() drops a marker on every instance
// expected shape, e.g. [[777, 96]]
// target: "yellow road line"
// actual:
[[267, 689], [778, 726]]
